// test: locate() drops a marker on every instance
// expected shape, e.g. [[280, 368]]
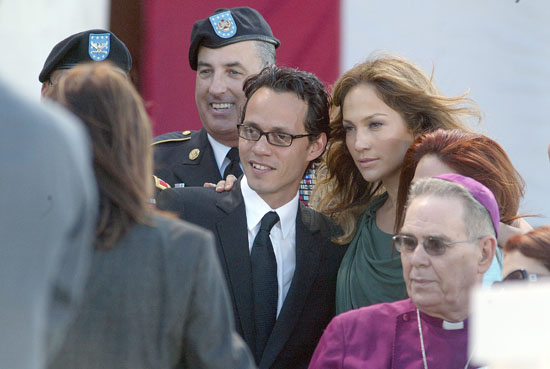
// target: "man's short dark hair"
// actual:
[[305, 85]]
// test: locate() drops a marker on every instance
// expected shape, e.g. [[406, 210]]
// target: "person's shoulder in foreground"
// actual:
[[49, 208], [176, 287], [208, 337]]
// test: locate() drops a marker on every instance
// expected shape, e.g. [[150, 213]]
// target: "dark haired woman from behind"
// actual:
[[156, 296], [472, 155], [527, 256]]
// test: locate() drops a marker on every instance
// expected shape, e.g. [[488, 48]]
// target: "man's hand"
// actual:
[[223, 185]]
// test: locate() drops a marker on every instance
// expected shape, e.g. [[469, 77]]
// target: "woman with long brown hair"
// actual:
[[472, 155], [155, 297], [379, 107]]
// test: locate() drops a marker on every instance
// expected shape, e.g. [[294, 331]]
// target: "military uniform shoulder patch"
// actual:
[[160, 184], [173, 137]]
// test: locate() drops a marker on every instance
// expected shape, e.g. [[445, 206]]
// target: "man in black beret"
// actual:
[[93, 45], [226, 48]]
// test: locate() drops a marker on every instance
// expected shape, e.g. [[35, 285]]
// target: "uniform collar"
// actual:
[[220, 151]]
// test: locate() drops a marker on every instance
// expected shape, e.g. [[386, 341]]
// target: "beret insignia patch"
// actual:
[[99, 46], [223, 24]]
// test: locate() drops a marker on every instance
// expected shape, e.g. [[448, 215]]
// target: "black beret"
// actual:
[[228, 26], [92, 45]]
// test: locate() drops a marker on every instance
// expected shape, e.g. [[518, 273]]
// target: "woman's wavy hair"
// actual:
[[341, 192], [120, 131], [534, 244], [472, 155]]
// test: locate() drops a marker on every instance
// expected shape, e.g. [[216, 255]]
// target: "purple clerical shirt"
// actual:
[[387, 336]]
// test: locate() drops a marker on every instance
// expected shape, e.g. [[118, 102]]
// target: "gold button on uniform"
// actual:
[[194, 154]]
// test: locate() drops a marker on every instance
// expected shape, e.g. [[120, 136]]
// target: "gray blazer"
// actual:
[[48, 207], [157, 299]]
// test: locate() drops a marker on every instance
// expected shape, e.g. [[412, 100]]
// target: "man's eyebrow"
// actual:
[[227, 65], [405, 233], [275, 129], [234, 64], [440, 236]]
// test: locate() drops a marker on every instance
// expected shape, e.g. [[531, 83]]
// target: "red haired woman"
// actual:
[[472, 155]]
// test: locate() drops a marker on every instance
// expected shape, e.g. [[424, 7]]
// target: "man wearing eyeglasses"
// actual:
[[447, 242], [277, 255]]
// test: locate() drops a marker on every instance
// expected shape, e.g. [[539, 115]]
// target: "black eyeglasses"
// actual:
[[434, 246], [520, 275], [275, 138]]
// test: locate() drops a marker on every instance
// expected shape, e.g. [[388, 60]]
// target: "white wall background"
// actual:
[[498, 49], [30, 28]]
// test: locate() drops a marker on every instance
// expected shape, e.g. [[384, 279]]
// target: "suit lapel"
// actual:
[[203, 168], [233, 236], [307, 264]]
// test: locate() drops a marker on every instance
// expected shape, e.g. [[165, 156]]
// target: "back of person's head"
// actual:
[[472, 155], [120, 130], [304, 85], [534, 244]]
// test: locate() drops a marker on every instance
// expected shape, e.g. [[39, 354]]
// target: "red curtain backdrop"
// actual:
[[309, 31]]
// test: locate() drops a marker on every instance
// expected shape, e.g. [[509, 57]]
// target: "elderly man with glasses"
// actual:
[[447, 242]]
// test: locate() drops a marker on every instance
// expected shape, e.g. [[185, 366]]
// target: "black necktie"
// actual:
[[233, 167], [264, 283]]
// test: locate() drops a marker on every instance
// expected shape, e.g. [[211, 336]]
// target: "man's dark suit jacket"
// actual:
[[310, 302], [185, 157]]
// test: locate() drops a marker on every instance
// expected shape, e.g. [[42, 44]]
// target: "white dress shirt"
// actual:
[[283, 235], [220, 153]]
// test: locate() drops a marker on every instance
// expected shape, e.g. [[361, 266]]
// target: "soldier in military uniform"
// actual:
[[94, 45], [226, 48]]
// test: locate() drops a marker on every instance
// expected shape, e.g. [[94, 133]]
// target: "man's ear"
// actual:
[[317, 147], [488, 246]]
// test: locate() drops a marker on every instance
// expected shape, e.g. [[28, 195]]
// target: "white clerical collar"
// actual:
[[256, 208], [450, 326], [220, 151]]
